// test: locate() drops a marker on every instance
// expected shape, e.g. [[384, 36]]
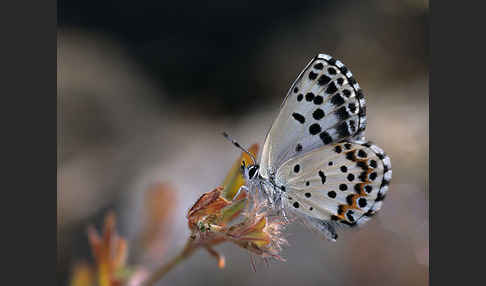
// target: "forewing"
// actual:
[[343, 183], [325, 105]]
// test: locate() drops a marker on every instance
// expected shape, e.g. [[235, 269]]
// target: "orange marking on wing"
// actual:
[[362, 192]]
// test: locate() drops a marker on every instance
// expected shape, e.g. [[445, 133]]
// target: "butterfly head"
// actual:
[[250, 171]]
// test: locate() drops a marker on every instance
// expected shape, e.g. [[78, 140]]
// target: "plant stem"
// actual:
[[188, 250]]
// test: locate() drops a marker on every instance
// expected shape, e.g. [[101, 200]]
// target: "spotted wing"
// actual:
[[343, 183], [324, 105]]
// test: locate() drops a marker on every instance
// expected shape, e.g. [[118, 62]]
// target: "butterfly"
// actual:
[[315, 161]]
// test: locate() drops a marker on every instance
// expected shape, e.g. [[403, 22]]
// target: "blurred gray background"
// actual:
[[145, 89]]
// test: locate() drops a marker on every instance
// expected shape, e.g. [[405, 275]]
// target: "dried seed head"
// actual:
[[219, 216]]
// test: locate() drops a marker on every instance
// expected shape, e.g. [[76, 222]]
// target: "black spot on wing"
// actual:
[[337, 100], [362, 165], [352, 125], [323, 177], [342, 113], [374, 164], [323, 80], [325, 137], [362, 202], [350, 177], [314, 129], [297, 168], [362, 153], [373, 176], [368, 189], [318, 114], [332, 88], [349, 199], [380, 197], [318, 66], [299, 117], [312, 75], [309, 96], [384, 183], [343, 130], [318, 100], [363, 177], [349, 215], [350, 155], [298, 148]]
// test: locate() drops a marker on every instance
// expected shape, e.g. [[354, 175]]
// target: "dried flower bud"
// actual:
[[219, 216], [110, 254], [109, 251], [259, 233]]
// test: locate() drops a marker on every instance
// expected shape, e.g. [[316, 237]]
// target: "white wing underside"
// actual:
[[324, 105], [342, 183], [315, 159]]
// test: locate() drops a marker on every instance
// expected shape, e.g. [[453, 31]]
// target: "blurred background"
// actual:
[[146, 87]]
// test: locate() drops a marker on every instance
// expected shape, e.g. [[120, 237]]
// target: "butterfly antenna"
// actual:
[[237, 145]]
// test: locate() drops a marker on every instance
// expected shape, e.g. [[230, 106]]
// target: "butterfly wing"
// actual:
[[343, 183], [323, 106]]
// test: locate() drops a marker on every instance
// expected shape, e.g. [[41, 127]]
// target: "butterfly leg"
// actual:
[[244, 188], [282, 209], [269, 194], [279, 207]]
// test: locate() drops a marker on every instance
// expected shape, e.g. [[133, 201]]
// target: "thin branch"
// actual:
[[188, 250]]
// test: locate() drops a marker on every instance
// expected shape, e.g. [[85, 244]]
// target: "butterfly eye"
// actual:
[[252, 171]]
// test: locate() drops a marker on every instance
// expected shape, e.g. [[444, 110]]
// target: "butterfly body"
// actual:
[[315, 161]]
